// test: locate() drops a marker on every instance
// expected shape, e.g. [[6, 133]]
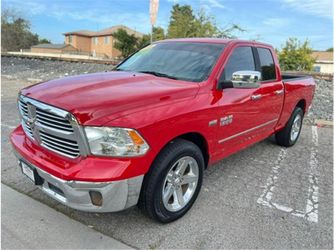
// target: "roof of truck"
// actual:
[[213, 40]]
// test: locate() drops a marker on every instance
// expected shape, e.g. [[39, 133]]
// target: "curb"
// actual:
[[323, 123]]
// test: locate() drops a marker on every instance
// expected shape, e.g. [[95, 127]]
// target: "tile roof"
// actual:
[[104, 32], [323, 56]]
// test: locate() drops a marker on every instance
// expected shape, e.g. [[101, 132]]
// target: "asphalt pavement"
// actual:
[[265, 197]]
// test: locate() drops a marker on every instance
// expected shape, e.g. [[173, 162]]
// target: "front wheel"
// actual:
[[172, 185], [289, 135]]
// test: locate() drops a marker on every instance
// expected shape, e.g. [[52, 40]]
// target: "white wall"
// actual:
[[325, 67]]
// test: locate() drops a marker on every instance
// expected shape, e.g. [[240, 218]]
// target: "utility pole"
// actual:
[[154, 6]]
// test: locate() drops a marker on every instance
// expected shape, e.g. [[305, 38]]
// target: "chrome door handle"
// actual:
[[256, 97], [279, 92]]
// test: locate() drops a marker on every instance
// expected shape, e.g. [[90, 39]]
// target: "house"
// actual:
[[97, 43], [323, 62], [53, 48]]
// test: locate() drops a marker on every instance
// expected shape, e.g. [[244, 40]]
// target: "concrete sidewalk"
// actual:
[[28, 224]]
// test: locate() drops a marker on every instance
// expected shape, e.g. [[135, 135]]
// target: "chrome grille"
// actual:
[[23, 108], [53, 121], [51, 127], [62, 145], [27, 129]]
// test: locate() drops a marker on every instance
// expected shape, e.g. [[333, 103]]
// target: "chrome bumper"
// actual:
[[116, 195]]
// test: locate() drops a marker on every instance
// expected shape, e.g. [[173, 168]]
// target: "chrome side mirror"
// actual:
[[246, 79]]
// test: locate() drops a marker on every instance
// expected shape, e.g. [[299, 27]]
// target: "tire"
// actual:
[[179, 155], [289, 135]]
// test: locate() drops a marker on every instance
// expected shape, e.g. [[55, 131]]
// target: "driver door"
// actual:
[[241, 120]]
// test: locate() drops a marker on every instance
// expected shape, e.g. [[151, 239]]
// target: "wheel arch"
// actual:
[[302, 104], [195, 137], [199, 140]]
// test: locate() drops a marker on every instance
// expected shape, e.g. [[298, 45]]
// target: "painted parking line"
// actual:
[[267, 194], [311, 211], [313, 194]]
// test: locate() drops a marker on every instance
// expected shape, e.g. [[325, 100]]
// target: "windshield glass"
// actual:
[[176, 60]]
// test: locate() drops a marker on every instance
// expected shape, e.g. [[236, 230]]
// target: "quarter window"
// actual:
[[241, 59], [267, 64]]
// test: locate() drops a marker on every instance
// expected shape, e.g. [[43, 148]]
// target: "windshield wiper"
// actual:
[[159, 74], [117, 69]]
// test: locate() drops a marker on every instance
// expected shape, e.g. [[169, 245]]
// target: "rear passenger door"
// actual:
[[271, 93]]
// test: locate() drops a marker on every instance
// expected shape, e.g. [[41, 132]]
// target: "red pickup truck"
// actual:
[[145, 132]]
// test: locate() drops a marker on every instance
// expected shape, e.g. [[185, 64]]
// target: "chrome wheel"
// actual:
[[296, 126], [180, 184]]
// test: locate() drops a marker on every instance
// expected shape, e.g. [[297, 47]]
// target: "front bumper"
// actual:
[[116, 195], [70, 181]]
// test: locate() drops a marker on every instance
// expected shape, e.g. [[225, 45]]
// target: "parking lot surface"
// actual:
[[263, 197]]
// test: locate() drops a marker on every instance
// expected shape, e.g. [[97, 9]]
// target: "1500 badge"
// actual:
[[226, 120]]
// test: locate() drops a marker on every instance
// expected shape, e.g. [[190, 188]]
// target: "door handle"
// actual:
[[256, 97], [279, 92]]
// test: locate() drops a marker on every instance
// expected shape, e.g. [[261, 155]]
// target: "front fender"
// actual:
[[160, 125]]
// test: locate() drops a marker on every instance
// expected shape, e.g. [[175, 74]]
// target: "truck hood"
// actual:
[[95, 99]]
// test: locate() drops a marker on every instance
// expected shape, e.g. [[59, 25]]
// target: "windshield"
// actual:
[[176, 60]]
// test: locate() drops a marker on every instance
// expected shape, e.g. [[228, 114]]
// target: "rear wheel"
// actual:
[[172, 185], [289, 135]]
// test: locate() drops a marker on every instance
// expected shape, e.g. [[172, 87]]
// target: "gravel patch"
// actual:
[[322, 106], [35, 70]]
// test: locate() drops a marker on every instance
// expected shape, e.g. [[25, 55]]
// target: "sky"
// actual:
[[270, 21]]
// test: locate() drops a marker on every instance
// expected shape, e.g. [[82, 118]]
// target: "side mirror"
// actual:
[[245, 79]]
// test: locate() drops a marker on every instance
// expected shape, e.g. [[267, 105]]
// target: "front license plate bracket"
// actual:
[[31, 173]]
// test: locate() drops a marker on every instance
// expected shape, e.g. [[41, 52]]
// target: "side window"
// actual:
[[241, 59], [267, 64], [317, 68], [95, 40]]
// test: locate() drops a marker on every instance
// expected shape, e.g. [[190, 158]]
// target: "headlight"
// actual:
[[115, 141]]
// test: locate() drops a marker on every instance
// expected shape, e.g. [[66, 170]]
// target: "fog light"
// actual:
[[96, 198]]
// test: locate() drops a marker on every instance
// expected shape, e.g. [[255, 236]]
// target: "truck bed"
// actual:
[[299, 90], [288, 77]]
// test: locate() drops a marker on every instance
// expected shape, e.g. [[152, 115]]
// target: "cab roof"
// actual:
[[213, 40]]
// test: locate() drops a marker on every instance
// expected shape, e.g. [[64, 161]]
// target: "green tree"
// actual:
[[125, 42], [15, 32], [329, 50], [43, 41], [144, 41], [158, 34], [229, 31], [204, 25], [296, 55], [183, 23]]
